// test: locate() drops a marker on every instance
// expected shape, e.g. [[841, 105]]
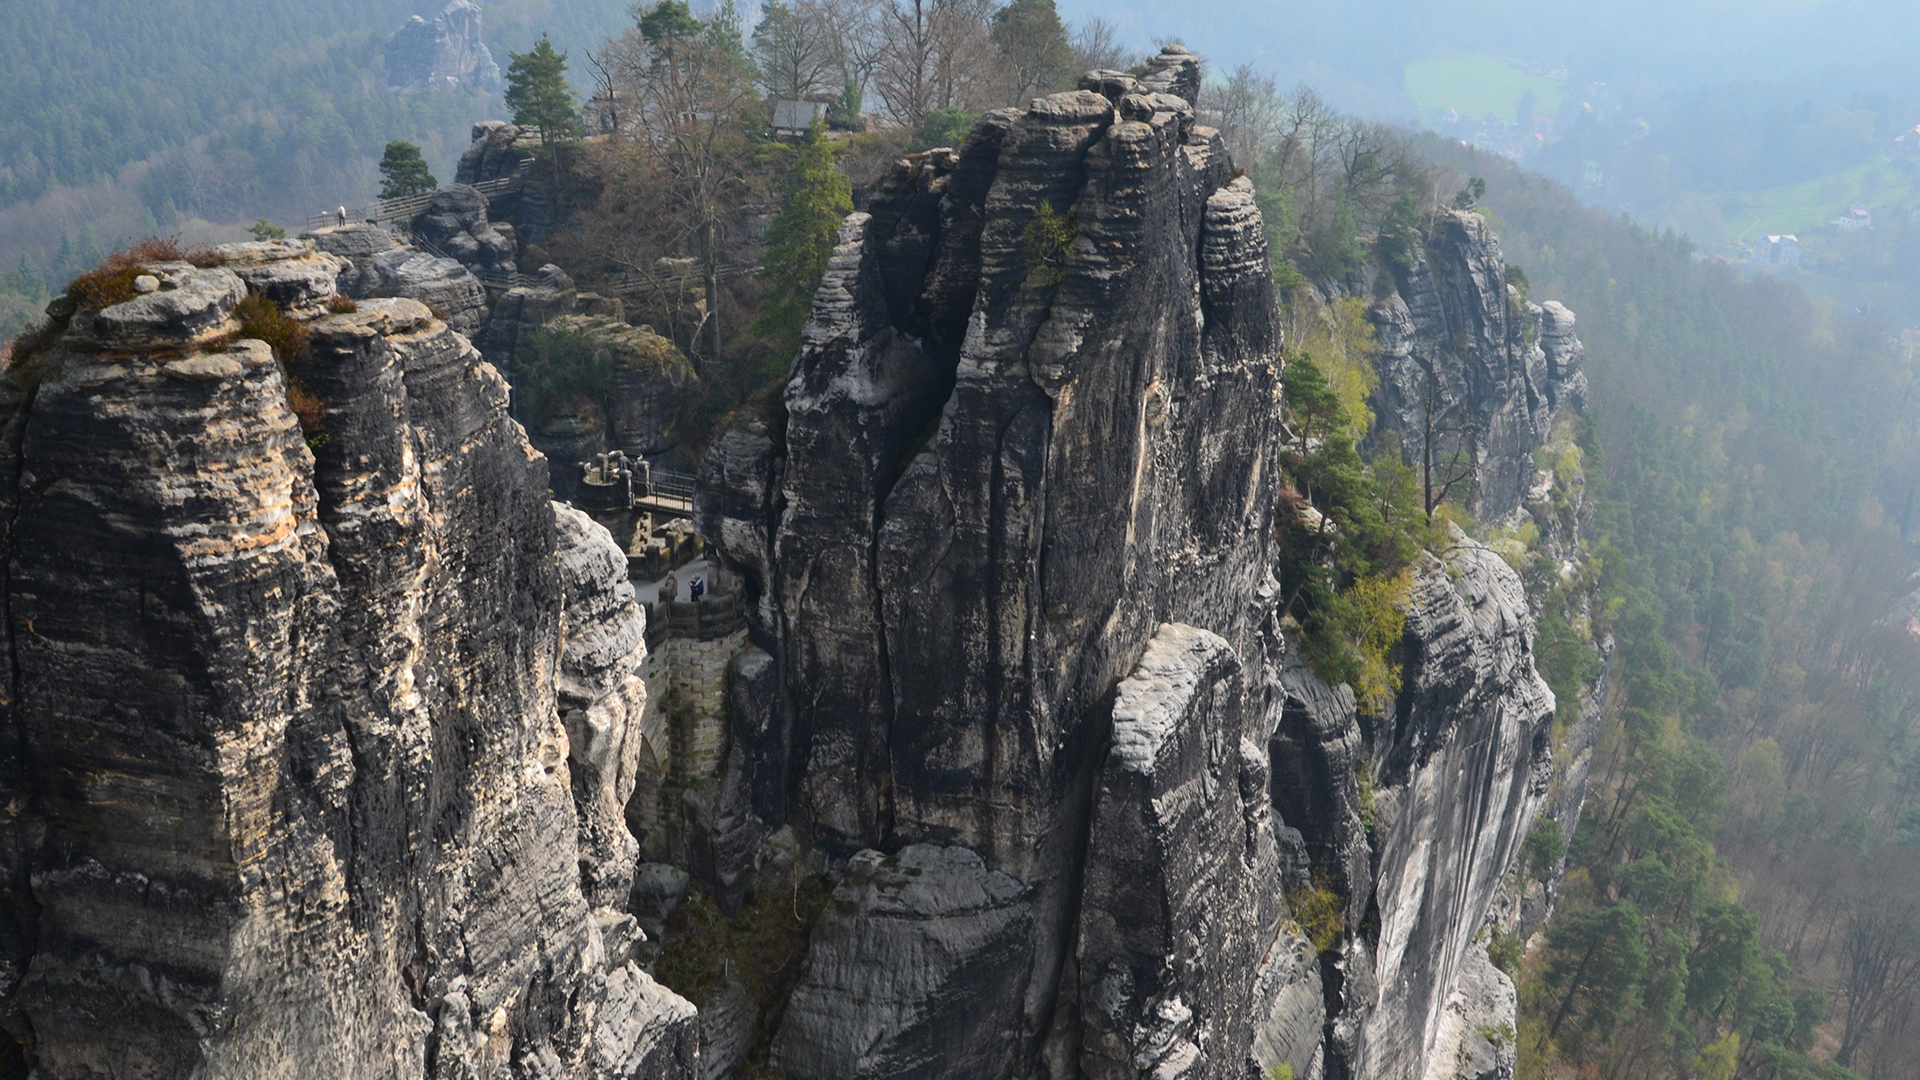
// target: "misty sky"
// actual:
[[1354, 50]]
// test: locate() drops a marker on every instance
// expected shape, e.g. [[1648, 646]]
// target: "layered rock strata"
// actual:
[[1006, 553], [1470, 367], [375, 263], [318, 739]]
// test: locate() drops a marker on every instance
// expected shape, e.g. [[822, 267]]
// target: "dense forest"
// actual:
[[1743, 884], [1739, 895]]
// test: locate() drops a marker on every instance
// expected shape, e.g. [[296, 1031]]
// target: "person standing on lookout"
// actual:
[[340, 215]]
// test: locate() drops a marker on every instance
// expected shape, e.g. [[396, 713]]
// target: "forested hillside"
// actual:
[[1744, 886], [197, 117], [94, 85]]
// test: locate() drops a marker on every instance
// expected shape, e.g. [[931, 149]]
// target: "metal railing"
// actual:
[[674, 485], [409, 207]]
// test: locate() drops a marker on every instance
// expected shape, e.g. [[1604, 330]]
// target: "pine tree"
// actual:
[[538, 94], [1034, 43], [801, 239], [403, 172]]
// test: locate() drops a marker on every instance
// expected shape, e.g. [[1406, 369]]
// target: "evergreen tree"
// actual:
[[848, 112], [668, 25], [1034, 42], [538, 94], [801, 238], [403, 172], [66, 260], [266, 230]]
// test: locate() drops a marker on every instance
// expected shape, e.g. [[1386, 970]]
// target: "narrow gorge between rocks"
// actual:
[[993, 751]]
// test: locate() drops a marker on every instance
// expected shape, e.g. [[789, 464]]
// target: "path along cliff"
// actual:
[[325, 724]]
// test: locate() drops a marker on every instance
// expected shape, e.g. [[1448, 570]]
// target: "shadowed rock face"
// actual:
[[1465, 357], [289, 771], [1006, 549]]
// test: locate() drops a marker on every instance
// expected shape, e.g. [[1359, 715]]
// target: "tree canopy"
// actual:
[[404, 172], [537, 92]]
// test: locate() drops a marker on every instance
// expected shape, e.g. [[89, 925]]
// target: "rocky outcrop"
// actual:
[[522, 310], [500, 150], [1468, 363], [455, 225], [909, 971], [449, 53], [374, 263], [649, 376], [1459, 776], [317, 742], [1007, 551], [443, 285]]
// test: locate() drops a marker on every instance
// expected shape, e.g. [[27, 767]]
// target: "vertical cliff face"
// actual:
[[1007, 550], [1472, 367], [292, 716]]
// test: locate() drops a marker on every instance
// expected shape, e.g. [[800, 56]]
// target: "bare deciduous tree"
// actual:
[[1879, 963], [935, 54], [796, 49], [693, 91], [1096, 46]]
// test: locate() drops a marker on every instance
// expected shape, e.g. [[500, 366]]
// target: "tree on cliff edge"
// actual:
[[404, 172], [801, 238], [538, 94]]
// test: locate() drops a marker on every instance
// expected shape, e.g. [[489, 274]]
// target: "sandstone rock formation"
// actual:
[[319, 737], [455, 224], [1466, 358], [1006, 552], [499, 150], [449, 53], [373, 263]]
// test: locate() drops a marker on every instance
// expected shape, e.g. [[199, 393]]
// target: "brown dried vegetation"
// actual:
[[262, 320]]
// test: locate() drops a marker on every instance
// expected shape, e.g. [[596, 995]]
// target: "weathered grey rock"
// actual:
[[1461, 774], [650, 376], [908, 970], [1180, 907], [658, 889], [455, 224], [499, 150], [192, 307], [601, 697], [449, 53], [294, 274], [571, 432], [441, 284], [1494, 368], [645, 1030], [1476, 1039], [355, 244], [995, 481], [727, 1022], [517, 313], [1565, 356], [300, 787]]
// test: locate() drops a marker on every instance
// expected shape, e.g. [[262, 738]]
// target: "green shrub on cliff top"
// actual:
[[1348, 538]]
